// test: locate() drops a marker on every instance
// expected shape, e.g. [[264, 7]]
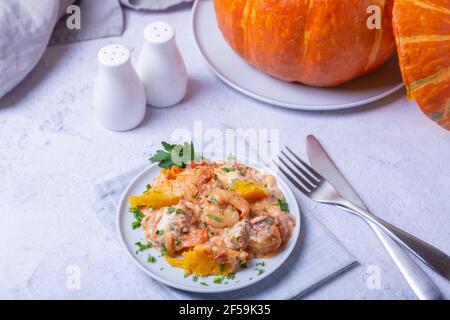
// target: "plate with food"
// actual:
[[271, 62], [207, 225]]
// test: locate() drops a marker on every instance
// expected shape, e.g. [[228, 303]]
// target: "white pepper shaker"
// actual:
[[161, 66], [119, 96]]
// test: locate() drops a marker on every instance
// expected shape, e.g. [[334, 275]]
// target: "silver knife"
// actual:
[[417, 279]]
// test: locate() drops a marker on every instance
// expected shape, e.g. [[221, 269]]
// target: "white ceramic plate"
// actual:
[[240, 75], [174, 277]]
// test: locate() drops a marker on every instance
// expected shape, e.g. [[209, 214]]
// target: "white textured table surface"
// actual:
[[51, 151]]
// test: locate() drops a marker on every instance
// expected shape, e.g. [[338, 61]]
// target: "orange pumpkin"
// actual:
[[422, 31], [315, 42], [327, 42]]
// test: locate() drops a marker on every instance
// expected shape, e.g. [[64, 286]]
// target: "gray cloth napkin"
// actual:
[[104, 18], [99, 19], [317, 257]]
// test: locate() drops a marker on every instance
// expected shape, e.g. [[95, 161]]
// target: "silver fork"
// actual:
[[313, 185]]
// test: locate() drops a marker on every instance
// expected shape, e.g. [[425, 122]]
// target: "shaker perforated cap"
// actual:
[[159, 32], [113, 55]]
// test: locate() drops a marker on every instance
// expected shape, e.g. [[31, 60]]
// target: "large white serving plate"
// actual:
[[240, 75], [174, 277]]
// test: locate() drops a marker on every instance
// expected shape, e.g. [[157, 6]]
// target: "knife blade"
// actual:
[[417, 279]]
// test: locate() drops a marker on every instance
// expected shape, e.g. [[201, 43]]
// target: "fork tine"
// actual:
[[305, 182], [311, 179], [293, 181], [307, 166]]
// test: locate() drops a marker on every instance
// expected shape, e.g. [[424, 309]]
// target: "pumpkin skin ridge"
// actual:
[[425, 58], [338, 42]]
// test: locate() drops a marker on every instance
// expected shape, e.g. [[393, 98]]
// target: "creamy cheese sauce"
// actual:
[[236, 210]]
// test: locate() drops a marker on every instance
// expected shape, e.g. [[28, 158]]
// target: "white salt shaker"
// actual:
[[161, 66], [119, 96]]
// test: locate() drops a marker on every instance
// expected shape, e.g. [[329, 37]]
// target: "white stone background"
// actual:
[[52, 151]]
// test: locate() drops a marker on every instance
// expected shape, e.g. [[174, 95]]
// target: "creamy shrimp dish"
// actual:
[[209, 218]]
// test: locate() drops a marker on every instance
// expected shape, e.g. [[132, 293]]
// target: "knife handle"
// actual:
[[417, 279], [432, 256]]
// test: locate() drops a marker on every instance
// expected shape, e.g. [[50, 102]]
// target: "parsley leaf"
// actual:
[[227, 169], [179, 242], [167, 146], [174, 154], [283, 205], [170, 210], [160, 232], [218, 279], [160, 156], [143, 246], [195, 278], [138, 215], [216, 218], [151, 259], [231, 276], [135, 224], [204, 284], [163, 250]]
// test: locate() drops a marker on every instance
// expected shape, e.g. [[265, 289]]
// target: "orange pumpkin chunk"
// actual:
[[154, 199], [249, 190]]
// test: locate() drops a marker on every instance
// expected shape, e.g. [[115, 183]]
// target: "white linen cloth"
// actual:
[[27, 26], [317, 257]]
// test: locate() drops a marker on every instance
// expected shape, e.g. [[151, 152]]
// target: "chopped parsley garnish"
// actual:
[[163, 250], [222, 267], [216, 218], [227, 169], [138, 215], [170, 210], [262, 264], [218, 279], [160, 232], [204, 284], [197, 195], [143, 246], [179, 242], [151, 259], [174, 154], [195, 278], [244, 265], [136, 224], [260, 271], [180, 211], [149, 186], [231, 276], [283, 205]]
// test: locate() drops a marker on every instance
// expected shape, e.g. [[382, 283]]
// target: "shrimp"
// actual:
[[264, 236], [192, 239], [234, 238], [284, 221], [225, 208]]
